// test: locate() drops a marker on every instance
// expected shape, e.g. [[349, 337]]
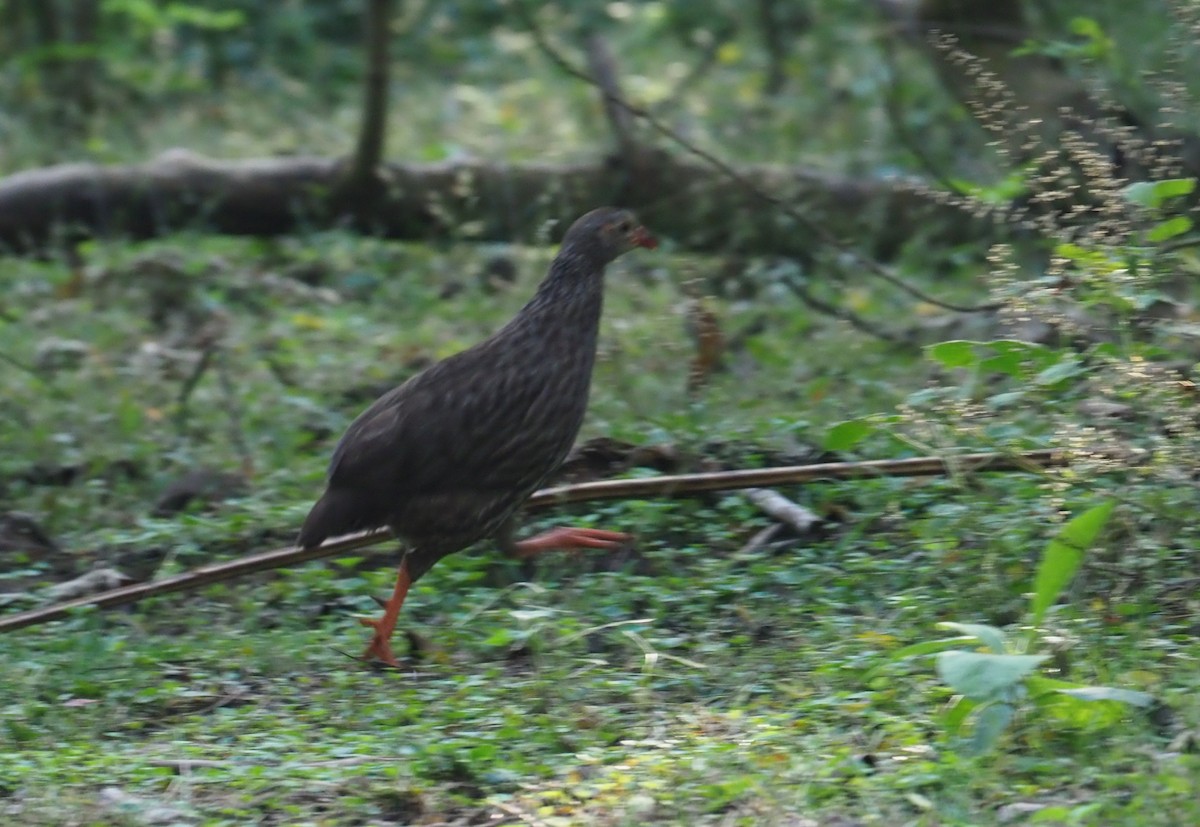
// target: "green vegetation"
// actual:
[[704, 679]]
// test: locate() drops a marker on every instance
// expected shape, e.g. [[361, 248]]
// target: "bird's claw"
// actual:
[[378, 650]]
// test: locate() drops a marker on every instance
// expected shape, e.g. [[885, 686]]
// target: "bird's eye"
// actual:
[[625, 226]]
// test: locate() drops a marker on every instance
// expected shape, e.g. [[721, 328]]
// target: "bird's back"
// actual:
[[448, 456]]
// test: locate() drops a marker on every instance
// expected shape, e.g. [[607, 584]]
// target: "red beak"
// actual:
[[642, 238]]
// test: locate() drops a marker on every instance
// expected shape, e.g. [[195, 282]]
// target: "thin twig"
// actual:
[[687, 485], [759, 540], [189, 385], [681, 485], [846, 315], [233, 409], [824, 236], [895, 113]]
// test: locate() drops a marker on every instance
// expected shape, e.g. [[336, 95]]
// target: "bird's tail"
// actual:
[[335, 514]]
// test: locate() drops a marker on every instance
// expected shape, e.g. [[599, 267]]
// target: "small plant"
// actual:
[[998, 675]]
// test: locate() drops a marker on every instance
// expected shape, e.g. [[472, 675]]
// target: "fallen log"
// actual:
[[696, 206]]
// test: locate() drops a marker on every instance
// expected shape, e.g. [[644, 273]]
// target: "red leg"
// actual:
[[380, 647], [564, 538]]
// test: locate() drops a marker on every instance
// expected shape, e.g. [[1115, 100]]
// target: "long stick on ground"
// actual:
[[681, 485]]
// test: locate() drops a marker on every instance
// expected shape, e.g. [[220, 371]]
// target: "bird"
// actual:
[[447, 458]]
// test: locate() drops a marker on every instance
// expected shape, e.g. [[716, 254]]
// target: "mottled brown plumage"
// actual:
[[448, 457]]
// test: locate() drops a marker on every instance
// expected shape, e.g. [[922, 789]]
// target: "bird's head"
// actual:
[[607, 232]]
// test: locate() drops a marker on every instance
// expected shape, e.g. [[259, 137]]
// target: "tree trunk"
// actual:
[[363, 185]]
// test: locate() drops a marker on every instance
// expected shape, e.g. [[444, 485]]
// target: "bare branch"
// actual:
[[846, 315], [682, 485]]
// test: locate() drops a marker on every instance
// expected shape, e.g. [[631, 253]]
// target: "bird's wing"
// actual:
[[383, 446], [445, 429]]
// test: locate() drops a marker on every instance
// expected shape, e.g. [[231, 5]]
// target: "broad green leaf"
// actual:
[[1039, 685], [992, 721], [984, 677], [954, 354], [1063, 556], [1063, 815], [928, 647], [989, 636], [1110, 693], [1014, 357], [500, 637], [1003, 400], [1142, 194], [1174, 187], [1170, 228], [1058, 372], [1154, 193], [959, 709], [1076, 705], [1009, 362], [848, 434], [925, 647], [1082, 255]]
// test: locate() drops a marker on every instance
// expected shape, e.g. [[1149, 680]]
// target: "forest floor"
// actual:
[[710, 675], [702, 677]]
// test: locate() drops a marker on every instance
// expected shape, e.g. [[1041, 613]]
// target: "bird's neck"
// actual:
[[569, 300]]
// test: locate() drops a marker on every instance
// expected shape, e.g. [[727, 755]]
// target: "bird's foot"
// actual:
[[380, 648], [565, 538]]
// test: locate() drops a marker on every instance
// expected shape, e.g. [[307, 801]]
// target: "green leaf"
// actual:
[[954, 354], [1004, 400], [1174, 187], [500, 637], [1039, 686], [194, 14], [989, 636], [925, 647], [984, 677], [1170, 228], [1110, 693], [956, 714], [1088, 707], [1059, 372], [928, 647], [848, 434], [1062, 815], [1010, 356], [1153, 193], [989, 726], [1063, 556]]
